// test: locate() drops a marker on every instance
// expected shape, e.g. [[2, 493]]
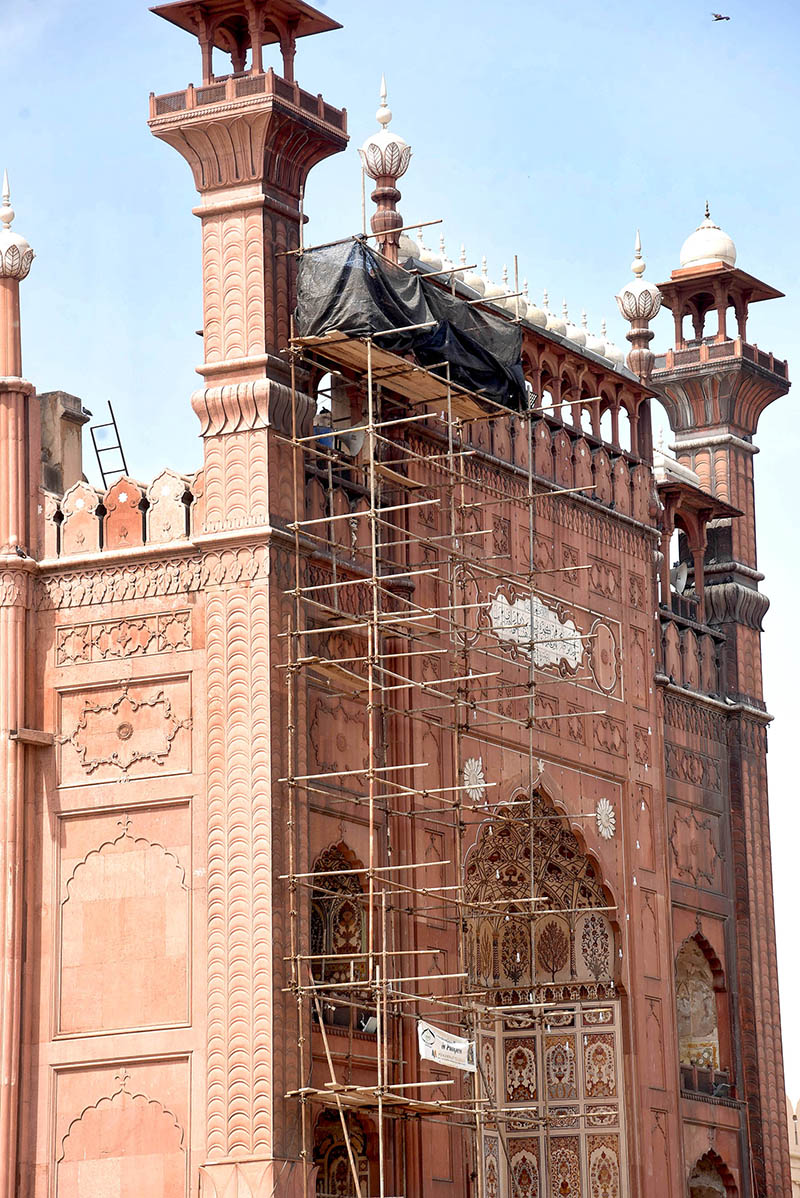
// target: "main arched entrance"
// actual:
[[541, 946]]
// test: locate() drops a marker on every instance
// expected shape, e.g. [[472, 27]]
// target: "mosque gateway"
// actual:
[[385, 799]]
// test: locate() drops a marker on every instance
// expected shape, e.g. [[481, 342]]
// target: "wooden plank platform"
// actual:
[[396, 374], [362, 1097]]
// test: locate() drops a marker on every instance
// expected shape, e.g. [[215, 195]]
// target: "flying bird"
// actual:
[[718, 16]]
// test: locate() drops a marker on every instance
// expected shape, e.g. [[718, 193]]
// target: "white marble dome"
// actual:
[[407, 248], [596, 344], [708, 243], [491, 291], [428, 257], [533, 314]]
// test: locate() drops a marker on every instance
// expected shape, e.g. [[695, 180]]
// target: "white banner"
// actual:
[[444, 1048]]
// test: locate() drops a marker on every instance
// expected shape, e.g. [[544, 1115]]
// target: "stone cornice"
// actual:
[[158, 574], [715, 439], [241, 407], [718, 705], [18, 385], [732, 567]]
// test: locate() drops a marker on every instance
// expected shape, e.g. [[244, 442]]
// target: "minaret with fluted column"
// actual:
[[18, 431], [250, 139], [714, 387]]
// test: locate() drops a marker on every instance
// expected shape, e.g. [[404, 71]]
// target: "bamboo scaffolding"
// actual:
[[397, 630]]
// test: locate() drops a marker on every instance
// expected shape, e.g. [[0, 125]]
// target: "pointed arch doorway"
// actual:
[[541, 946]]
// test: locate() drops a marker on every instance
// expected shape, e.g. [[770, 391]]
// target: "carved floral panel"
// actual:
[[135, 637], [132, 729]]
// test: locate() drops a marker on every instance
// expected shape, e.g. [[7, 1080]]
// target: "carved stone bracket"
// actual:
[[14, 588], [732, 603]]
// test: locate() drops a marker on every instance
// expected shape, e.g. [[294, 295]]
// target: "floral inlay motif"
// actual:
[[525, 1168], [552, 949], [560, 1067], [598, 1065], [520, 1069], [604, 1167], [606, 818], [595, 942], [474, 779], [565, 1169]]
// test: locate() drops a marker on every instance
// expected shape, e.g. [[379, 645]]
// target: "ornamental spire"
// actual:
[[639, 301], [385, 157], [16, 255]]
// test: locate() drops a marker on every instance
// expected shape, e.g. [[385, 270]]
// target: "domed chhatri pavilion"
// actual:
[[384, 801]]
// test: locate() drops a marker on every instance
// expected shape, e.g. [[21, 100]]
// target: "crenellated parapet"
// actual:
[[128, 515]]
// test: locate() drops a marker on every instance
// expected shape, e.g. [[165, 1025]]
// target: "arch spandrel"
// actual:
[[540, 915]]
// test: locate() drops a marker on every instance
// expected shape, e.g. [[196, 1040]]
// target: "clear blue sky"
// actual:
[[547, 130]]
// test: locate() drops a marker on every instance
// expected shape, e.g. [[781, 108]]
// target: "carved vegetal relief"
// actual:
[[143, 636], [693, 844], [134, 729]]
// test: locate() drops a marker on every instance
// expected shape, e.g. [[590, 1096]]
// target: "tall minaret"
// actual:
[[714, 386], [18, 431], [250, 139]]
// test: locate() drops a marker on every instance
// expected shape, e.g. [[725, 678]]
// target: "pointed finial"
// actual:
[[584, 321], [525, 288], [545, 298], [505, 276], [603, 328], [708, 211], [16, 254], [638, 266], [463, 254], [6, 212], [484, 267], [441, 244], [384, 113], [564, 310], [661, 439]]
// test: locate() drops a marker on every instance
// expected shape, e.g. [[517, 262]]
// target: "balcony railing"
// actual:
[[691, 653], [712, 351], [240, 87], [712, 1083]]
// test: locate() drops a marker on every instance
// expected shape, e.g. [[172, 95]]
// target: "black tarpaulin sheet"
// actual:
[[350, 289]]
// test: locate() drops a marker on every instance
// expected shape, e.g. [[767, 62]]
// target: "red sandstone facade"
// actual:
[[156, 963]]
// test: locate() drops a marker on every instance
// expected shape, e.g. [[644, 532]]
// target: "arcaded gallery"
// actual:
[[385, 792]]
